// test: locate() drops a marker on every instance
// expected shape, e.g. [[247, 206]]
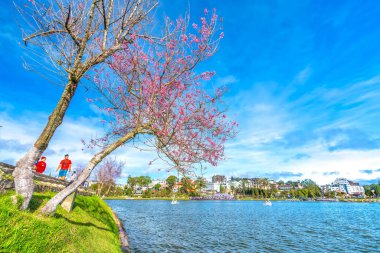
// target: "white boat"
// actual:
[[174, 201], [267, 203]]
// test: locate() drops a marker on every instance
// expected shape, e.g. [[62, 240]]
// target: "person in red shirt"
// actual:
[[41, 165], [64, 166]]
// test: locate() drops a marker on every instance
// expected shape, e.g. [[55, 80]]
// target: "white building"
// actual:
[[212, 187], [235, 184], [91, 182], [157, 181], [345, 186]]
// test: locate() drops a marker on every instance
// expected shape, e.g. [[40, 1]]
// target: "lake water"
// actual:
[[249, 226]]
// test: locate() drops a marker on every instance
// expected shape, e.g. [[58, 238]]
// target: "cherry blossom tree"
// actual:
[[66, 39], [108, 171], [158, 99]]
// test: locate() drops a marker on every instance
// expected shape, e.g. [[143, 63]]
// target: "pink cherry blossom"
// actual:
[[158, 93]]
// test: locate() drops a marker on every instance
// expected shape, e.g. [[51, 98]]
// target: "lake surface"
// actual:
[[249, 226]]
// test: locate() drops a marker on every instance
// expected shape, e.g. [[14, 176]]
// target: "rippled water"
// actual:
[[249, 226]]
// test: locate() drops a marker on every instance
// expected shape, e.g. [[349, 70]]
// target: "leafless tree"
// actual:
[[108, 171], [67, 38]]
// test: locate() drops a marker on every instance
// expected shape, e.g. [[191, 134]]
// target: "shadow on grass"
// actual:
[[93, 207], [37, 201], [87, 224]]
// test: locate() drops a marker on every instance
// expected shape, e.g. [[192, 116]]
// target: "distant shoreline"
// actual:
[[253, 199]]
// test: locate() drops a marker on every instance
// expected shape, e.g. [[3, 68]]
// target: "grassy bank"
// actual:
[[88, 228]]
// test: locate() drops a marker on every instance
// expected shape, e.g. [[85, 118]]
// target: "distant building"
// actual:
[[248, 183], [177, 187], [256, 182], [298, 186], [212, 187], [235, 184], [92, 182], [285, 187], [344, 186], [273, 185], [157, 181], [219, 179]]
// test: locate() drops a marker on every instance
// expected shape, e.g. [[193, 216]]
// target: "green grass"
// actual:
[[88, 228]]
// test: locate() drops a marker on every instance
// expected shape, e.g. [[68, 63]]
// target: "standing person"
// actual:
[[41, 165], [64, 166]]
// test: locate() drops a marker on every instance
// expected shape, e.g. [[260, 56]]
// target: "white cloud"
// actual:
[[263, 119], [303, 75], [320, 165], [230, 79], [24, 129], [347, 163], [266, 117]]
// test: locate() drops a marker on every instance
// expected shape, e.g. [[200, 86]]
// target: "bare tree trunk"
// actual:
[[53, 203], [22, 174], [114, 190], [108, 191], [100, 188]]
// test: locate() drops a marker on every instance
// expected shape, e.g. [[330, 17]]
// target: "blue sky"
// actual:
[[303, 80]]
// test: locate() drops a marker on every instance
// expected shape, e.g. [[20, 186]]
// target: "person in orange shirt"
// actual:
[[64, 166], [41, 165]]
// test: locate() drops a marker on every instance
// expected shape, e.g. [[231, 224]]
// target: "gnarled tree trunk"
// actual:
[[75, 36], [23, 174]]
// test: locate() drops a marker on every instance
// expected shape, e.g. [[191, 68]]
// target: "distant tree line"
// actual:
[[185, 186], [309, 189]]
